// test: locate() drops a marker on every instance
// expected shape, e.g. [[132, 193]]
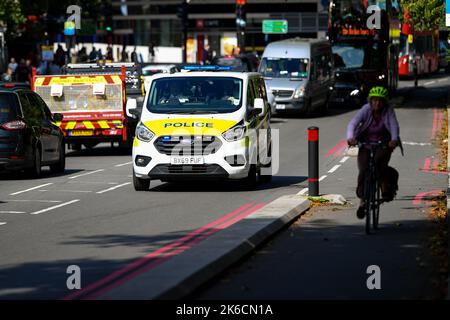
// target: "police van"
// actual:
[[206, 123]]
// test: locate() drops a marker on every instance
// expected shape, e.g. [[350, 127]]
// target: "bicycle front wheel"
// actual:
[[376, 208]]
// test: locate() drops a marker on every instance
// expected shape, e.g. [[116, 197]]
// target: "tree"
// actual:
[[11, 15], [425, 14]]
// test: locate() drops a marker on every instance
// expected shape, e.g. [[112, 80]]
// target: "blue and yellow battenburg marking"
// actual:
[[167, 127]]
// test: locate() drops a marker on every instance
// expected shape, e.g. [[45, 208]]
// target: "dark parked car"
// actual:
[[29, 137]]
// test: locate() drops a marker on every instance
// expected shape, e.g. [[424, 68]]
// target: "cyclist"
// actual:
[[375, 121]]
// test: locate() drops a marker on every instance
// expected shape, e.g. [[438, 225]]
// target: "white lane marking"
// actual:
[[73, 191], [91, 182], [334, 168], [416, 143], [46, 201], [303, 191], [34, 188], [12, 212], [2, 223], [322, 177], [55, 207], [429, 82], [344, 159], [123, 164], [442, 80], [113, 188], [85, 174]]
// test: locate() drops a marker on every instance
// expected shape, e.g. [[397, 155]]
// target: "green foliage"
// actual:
[[425, 14], [11, 15]]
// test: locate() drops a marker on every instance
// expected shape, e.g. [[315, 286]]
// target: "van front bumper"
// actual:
[[215, 165]]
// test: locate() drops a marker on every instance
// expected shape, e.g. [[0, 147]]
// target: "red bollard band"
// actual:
[[313, 135]]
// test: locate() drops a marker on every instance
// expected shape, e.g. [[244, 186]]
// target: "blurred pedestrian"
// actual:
[[82, 55], [151, 52], [124, 55], [8, 75], [23, 71], [134, 55], [12, 64], [93, 55], [60, 56], [109, 54]]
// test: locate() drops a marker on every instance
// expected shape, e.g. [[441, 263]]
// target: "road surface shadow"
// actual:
[[46, 173], [226, 185], [99, 152]]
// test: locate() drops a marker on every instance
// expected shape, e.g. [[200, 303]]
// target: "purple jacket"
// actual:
[[362, 120]]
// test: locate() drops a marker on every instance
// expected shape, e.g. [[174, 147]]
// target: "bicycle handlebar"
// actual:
[[379, 144]]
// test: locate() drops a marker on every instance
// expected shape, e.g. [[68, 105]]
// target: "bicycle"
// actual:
[[372, 189]]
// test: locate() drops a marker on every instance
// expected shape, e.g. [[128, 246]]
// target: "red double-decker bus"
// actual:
[[363, 57], [418, 49]]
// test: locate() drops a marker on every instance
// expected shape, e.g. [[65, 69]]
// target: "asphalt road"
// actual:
[[91, 217]]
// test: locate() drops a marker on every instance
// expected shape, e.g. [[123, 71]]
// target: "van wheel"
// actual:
[[36, 170], [76, 146], [266, 178], [140, 184], [60, 166], [252, 179]]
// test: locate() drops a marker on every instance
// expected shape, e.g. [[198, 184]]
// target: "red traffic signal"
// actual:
[[241, 2]]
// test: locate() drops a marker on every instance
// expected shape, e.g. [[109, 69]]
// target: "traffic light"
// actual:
[[241, 16], [182, 13]]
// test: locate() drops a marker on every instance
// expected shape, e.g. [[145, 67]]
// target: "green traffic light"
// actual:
[[108, 29]]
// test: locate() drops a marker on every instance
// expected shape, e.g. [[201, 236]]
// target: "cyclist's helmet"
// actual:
[[378, 92]]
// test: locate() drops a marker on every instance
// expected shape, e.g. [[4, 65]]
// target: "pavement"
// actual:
[[92, 218]]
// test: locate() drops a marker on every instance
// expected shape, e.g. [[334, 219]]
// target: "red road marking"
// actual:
[[335, 148], [173, 253], [419, 197], [435, 123], [426, 165], [157, 253], [340, 151]]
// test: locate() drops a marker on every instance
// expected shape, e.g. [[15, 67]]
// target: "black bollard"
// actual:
[[313, 161]]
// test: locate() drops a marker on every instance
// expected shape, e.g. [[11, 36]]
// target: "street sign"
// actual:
[[69, 28], [274, 26], [447, 13], [47, 53]]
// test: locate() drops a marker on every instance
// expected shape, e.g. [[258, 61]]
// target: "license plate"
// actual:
[[81, 133], [280, 106], [187, 160], [339, 99]]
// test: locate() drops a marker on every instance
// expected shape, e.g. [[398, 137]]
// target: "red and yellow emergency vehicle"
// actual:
[[93, 106]]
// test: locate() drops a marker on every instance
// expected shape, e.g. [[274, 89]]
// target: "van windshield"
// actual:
[[195, 95], [284, 68]]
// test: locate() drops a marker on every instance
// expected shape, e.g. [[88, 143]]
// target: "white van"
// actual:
[[299, 73], [203, 125]]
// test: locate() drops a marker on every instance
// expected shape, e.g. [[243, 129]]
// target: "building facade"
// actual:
[[213, 23]]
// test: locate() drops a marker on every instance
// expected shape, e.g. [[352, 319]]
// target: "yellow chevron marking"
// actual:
[[88, 125], [103, 124], [71, 125]]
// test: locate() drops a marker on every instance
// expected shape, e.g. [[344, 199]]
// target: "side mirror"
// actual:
[[57, 117], [131, 107], [259, 107]]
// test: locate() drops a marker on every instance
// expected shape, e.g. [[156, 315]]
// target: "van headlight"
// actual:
[[354, 92], [299, 92], [235, 133], [143, 133]]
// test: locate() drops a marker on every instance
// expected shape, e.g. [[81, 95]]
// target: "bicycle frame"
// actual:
[[372, 188]]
